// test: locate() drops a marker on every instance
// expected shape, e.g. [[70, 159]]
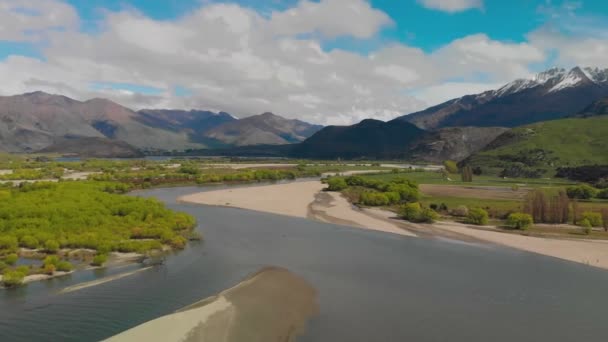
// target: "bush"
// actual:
[[64, 266], [11, 259], [520, 221], [450, 166], [49, 269], [178, 242], [8, 243], [415, 213], [374, 199], [99, 260], [603, 194], [336, 184], [586, 226], [51, 246], [3, 266], [51, 260], [428, 215], [461, 211], [583, 191], [594, 219], [13, 278], [410, 211], [477, 216], [29, 241]]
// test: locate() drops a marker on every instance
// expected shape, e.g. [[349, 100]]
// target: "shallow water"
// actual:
[[372, 286]]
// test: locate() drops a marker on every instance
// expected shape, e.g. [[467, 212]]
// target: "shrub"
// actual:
[[13, 278], [64, 266], [477, 216], [29, 241], [99, 260], [583, 191], [374, 199], [3, 266], [450, 166], [603, 194], [595, 219], [336, 184], [520, 221], [178, 242], [415, 213], [8, 243], [49, 269], [586, 226], [410, 211], [461, 211], [11, 259], [428, 215], [51, 260], [51, 246]]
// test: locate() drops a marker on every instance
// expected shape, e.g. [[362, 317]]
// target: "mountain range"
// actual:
[[552, 94], [456, 129], [39, 121]]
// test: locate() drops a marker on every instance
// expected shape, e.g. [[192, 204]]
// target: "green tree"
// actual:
[[478, 217], [64, 266], [467, 174], [28, 241], [450, 166], [586, 226], [520, 221], [583, 191]]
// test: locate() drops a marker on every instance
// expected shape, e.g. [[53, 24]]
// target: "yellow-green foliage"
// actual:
[[84, 215], [594, 219], [520, 221], [477, 216], [415, 213], [13, 278]]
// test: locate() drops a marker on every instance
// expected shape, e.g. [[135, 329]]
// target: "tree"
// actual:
[[450, 166], [576, 212], [605, 219], [586, 226], [478, 216], [29, 241], [467, 174], [415, 213], [520, 221], [461, 211], [536, 205], [583, 191]]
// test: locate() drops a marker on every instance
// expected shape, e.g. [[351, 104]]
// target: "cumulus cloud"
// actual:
[[452, 5], [231, 58], [31, 20]]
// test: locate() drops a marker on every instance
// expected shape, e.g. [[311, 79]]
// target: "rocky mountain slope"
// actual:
[[35, 121], [92, 147], [599, 107], [552, 94], [260, 129]]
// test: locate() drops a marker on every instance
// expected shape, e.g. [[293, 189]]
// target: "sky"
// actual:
[[322, 61]]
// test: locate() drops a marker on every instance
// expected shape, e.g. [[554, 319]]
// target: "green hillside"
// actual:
[[538, 149]]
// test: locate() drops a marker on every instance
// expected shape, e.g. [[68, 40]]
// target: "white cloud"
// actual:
[[233, 59], [452, 5], [330, 18], [31, 20]]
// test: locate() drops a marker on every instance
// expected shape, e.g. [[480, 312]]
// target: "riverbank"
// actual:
[[271, 305], [306, 199]]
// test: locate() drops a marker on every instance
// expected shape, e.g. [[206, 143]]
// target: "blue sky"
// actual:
[[351, 58]]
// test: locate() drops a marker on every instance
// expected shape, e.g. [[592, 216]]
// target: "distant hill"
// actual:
[[545, 146], [367, 139], [92, 147], [552, 94], [263, 129], [599, 107], [35, 121]]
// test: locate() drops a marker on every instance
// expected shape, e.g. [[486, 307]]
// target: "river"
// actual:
[[372, 286]]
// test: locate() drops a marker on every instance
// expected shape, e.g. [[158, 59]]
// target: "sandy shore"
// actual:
[[272, 305], [290, 199], [305, 199]]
